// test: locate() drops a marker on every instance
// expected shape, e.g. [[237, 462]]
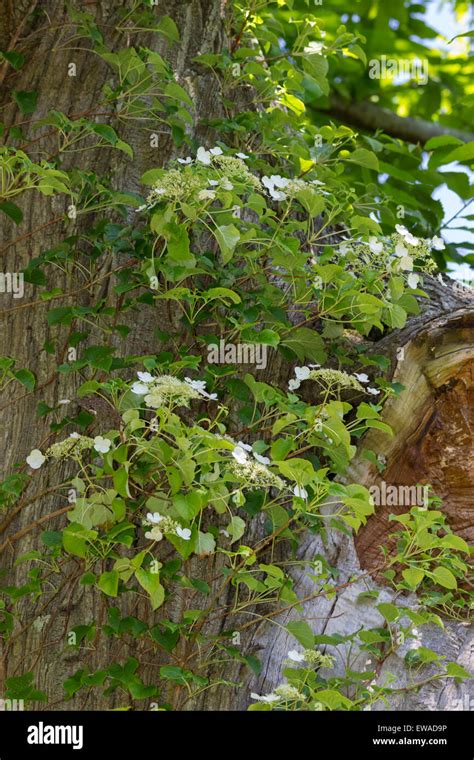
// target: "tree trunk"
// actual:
[[45, 40], [433, 357]]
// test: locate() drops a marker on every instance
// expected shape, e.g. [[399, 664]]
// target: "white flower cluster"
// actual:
[[396, 254], [161, 524], [280, 188], [160, 390], [70, 447], [312, 657], [331, 378], [255, 473], [283, 693], [181, 184]]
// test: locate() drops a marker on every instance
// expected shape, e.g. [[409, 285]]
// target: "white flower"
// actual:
[[376, 246], [373, 391], [301, 493], [35, 459], [206, 195], [154, 517], [401, 250], [408, 237], [145, 377], [314, 48], [279, 181], [187, 160], [139, 388], [227, 184], [216, 151], [199, 386], [244, 446], [63, 401], [183, 533], [293, 384], [296, 656], [343, 249], [412, 240], [413, 280], [243, 156], [275, 181], [154, 534], [361, 377], [74, 435], [213, 182], [406, 263], [437, 243], [401, 230], [265, 697], [203, 156], [102, 445], [302, 373], [240, 455], [259, 458], [236, 212]]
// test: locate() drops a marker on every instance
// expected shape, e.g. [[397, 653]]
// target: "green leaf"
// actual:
[[461, 153], [302, 633], [61, 316], [26, 100], [223, 294], [124, 147], [150, 582], [108, 583], [364, 157], [389, 611], [176, 92], [445, 578], [457, 671], [455, 542], [106, 132], [178, 243], [227, 236], [332, 699], [121, 482], [26, 378], [306, 344], [413, 576], [168, 29], [236, 528], [12, 210], [16, 60]]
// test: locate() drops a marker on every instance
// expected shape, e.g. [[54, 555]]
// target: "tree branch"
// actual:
[[371, 117]]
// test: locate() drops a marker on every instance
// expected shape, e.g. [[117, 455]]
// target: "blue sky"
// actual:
[[440, 16]]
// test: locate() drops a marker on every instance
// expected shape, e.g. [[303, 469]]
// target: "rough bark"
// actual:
[[432, 443], [25, 330]]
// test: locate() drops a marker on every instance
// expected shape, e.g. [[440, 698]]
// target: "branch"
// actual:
[[371, 117]]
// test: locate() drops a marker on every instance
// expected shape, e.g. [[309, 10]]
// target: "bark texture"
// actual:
[[432, 443], [46, 38]]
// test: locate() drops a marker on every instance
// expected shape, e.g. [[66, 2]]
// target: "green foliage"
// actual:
[[283, 237]]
